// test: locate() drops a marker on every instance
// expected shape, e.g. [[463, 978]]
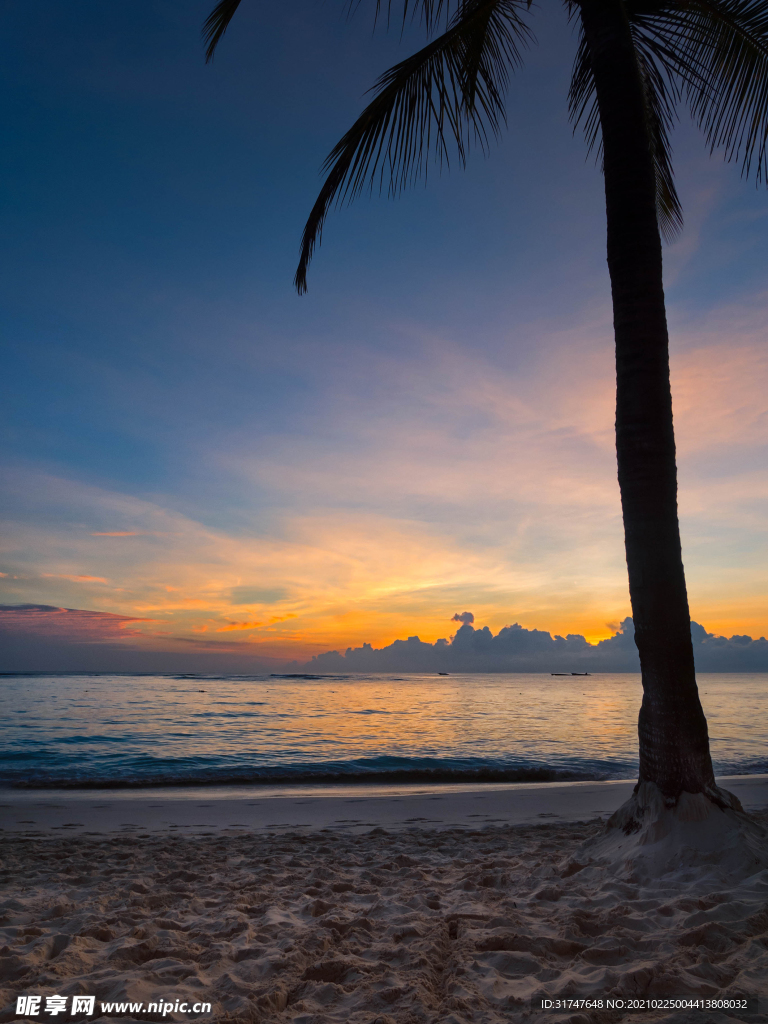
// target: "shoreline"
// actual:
[[356, 808]]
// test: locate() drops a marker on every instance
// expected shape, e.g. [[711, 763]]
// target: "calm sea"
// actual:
[[116, 730]]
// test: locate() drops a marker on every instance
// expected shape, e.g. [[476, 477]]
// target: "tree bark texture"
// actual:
[[674, 744]]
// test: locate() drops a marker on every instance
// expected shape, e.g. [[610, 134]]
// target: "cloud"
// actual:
[[47, 638], [516, 649], [465, 617], [44, 638], [118, 533], [443, 478], [258, 595], [327, 576], [128, 533], [74, 579], [71, 624]]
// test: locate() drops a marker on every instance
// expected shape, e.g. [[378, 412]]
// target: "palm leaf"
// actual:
[[216, 24], [719, 51], [661, 94], [451, 91], [430, 12]]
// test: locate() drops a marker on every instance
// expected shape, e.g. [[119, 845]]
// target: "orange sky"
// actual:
[[537, 542]]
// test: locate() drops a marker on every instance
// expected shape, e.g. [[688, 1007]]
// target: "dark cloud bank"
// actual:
[[43, 638], [515, 649]]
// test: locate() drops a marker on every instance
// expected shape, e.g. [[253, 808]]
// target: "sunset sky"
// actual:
[[191, 447]]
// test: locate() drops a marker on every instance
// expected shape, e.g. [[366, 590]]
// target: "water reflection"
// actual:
[[166, 729]]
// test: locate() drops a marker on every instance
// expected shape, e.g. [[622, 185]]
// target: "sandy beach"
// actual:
[[334, 918], [348, 808]]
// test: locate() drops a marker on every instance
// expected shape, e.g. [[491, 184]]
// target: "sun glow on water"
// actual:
[[111, 730]]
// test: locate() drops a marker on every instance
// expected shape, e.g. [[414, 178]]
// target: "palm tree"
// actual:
[[636, 61]]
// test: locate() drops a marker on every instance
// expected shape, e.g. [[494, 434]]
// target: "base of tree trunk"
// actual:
[[701, 835]]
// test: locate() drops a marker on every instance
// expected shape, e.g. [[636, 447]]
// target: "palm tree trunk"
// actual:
[[674, 745]]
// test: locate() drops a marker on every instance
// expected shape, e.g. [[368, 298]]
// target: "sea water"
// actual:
[[120, 730]]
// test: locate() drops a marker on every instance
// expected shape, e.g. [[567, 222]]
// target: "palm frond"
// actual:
[[582, 100], [719, 50], [429, 12], [216, 24], [661, 94], [451, 91]]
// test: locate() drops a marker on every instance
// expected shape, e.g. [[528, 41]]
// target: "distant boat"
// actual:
[[579, 673], [443, 673], [570, 673]]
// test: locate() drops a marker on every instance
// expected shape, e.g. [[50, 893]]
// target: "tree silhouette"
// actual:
[[636, 61]]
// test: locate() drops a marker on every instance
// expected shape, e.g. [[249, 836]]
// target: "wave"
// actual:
[[148, 772], [301, 675], [304, 729]]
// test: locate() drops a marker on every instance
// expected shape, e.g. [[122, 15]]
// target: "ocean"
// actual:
[[70, 731]]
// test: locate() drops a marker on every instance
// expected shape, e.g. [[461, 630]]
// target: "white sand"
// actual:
[[355, 808], [420, 922]]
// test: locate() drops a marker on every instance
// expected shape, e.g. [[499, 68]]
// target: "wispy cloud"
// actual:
[[74, 579], [456, 482], [127, 533], [72, 624]]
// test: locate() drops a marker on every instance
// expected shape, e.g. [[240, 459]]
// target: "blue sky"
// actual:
[[429, 429]]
